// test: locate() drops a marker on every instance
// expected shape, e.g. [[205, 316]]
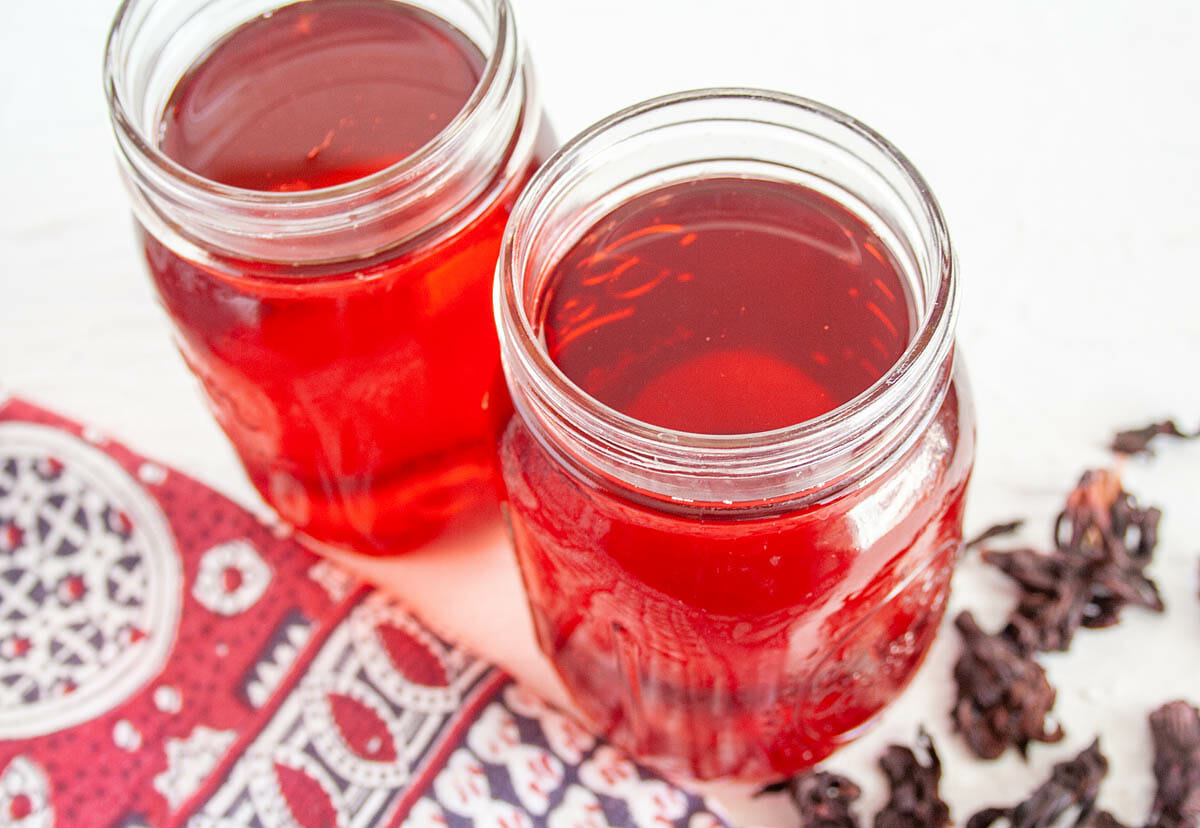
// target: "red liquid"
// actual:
[[318, 94], [726, 306], [742, 641], [362, 396]]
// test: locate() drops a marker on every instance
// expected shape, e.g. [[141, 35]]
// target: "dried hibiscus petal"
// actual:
[[1054, 599], [914, 801], [1175, 728], [994, 531], [1137, 440], [824, 800], [1072, 784], [1003, 695]]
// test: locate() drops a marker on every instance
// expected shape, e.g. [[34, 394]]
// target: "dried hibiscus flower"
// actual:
[[994, 531], [914, 801], [824, 799], [1054, 599], [1137, 440], [1105, 531], [1003, 695], [1175, 728], [1072, 784], [1104, 541]]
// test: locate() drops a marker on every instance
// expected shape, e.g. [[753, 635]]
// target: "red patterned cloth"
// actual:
[[166, 659]]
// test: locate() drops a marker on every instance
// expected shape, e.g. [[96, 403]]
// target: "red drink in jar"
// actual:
[[736, 472], [726, 306], [321, 191]]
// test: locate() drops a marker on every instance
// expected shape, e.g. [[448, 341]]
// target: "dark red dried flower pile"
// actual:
[[1175, 728], [1103, 542], [825, 800]]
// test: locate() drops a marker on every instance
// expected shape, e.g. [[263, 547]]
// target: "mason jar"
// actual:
[[339, 321], [727, 604]]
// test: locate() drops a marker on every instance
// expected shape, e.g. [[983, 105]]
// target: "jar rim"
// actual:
[[412, 167], [663, 451]]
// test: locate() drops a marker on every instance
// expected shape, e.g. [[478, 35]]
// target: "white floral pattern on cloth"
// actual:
[[361, 720], [425, 814], [566, 737], [89, 598], [463, 787], [336, 581], [536, 774], [506, 757], [580, 808], [232, 576], [25, 796], [609, 772], [352, 738], [288, 775], [190, 760], [276, 661], [203, 670]]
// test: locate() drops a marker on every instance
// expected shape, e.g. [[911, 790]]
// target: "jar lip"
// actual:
[[928, 349], [412, 167]]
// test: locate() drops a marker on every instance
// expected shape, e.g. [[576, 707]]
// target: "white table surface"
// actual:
[[1062, 140]]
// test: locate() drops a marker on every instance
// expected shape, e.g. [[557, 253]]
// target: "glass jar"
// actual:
[[343, 334], [735, 605]]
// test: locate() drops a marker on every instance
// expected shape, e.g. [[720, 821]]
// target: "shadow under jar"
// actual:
[[320, 189], [736, 470]]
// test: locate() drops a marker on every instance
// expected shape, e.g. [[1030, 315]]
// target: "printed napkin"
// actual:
[[166, 659]]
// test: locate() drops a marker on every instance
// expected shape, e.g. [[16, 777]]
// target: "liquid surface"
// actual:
[[319, 93], [726, 306], [363, 397]]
